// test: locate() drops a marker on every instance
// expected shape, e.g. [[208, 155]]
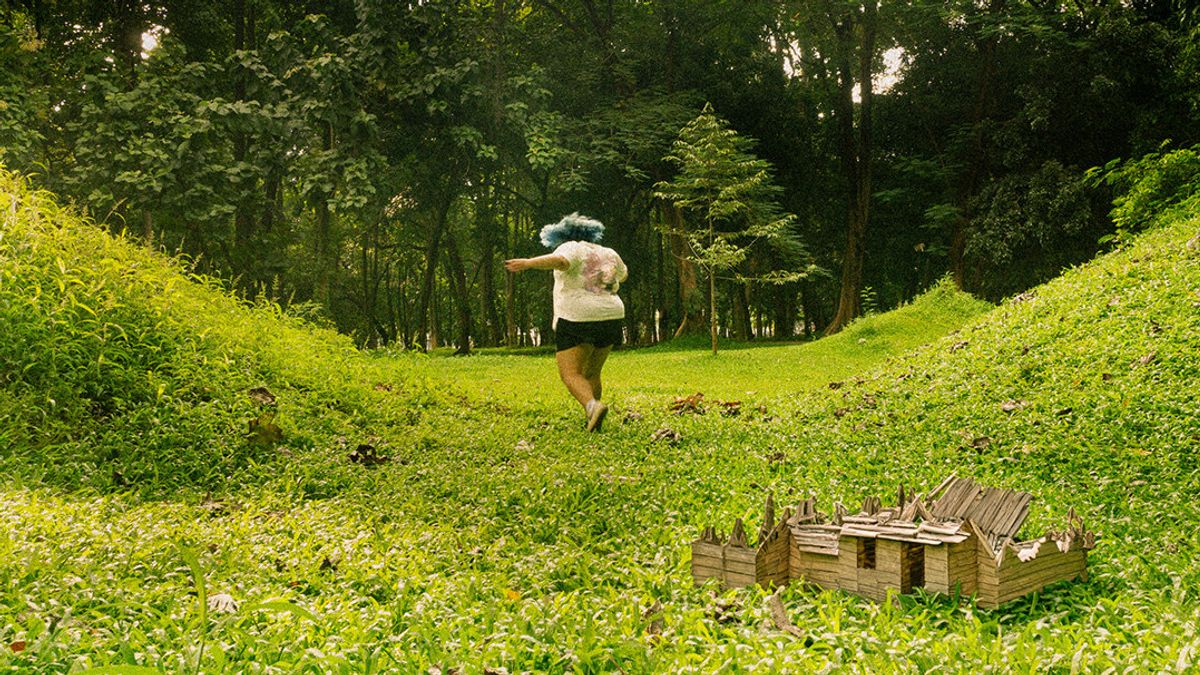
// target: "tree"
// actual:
[[731, 194]]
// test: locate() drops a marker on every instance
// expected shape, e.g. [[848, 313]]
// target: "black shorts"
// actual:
[[568, 334]]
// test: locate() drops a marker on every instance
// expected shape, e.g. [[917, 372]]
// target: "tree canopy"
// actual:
[[367, 164]]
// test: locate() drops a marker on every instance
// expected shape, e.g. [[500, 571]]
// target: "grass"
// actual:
[[501, 537], [737, 372]]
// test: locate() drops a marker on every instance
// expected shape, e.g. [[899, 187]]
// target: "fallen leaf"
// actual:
[[381, 386], [222, 603], [512, 595], [780, 618], [524, 445], [836, 385], [366, 455], [214, 507], [631, 416], [980, 442], [1011, 405], [654, 613], [666, 434], [688, 404], [262, 396], [959, 345], [1148, 358], [730, 408], [17, 647], [724, 611], [328, 564]]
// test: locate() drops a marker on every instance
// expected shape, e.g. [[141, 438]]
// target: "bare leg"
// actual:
[[572, 367], [593, 367]]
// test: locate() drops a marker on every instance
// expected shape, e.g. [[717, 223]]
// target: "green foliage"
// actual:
[[1026, 227], [1147, 186], [120, 370], [726, 189], [500, 535]]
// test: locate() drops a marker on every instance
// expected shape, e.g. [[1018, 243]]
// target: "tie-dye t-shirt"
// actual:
[[587, 290]]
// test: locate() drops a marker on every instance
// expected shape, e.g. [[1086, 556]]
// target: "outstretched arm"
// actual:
[[550, 261]]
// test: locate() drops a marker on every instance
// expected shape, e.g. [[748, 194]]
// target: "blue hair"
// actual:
[[572, 228]]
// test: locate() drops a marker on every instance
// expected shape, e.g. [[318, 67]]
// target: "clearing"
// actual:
[[499, 536]]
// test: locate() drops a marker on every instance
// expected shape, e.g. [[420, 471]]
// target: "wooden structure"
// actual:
[[961, 537]]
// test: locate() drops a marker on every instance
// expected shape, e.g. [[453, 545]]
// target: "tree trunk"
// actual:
[[487, 227], [712, 309], [431, 260], [785, 312], [325, 250], [856, 157], [462, 301], [741, 313], [691, 318]]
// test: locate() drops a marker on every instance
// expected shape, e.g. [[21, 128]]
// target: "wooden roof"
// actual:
[[939, 518], [997, 512]]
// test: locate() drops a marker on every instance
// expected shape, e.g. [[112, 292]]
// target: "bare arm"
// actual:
[[550, 261]]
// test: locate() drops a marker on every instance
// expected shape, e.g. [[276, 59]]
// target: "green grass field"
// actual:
[[500, 537], [750, 372]]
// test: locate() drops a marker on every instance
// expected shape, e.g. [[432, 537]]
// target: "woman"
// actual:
[[587, 311]]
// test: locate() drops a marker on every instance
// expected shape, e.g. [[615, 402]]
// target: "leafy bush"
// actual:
[[1026, 227], [1147, 186]]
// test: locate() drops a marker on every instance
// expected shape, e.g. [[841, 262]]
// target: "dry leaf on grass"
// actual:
[[222, 603], [666, 434], [262, 396]]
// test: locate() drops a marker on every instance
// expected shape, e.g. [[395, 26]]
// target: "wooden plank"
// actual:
[[704, 548], [1004, 517], [741, 567], [746, 555], [942, 485], [1008, 591], [934, 528], [1041, 566], [739, 580], [861, 520]]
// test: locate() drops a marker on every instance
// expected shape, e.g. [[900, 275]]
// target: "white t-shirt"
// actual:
[[587, 290]]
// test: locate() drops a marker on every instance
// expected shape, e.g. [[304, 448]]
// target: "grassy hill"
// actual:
[[500, 536]]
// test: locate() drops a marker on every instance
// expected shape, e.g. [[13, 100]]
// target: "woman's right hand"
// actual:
[[516, 264]]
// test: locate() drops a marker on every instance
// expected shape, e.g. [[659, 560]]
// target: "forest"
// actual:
[[368, 165]]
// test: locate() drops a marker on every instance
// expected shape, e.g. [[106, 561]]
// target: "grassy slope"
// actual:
[[502, 536]]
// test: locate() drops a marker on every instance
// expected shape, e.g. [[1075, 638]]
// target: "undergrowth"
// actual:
[[497, 536]]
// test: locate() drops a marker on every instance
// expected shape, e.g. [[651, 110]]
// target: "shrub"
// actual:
[[1148, 186]]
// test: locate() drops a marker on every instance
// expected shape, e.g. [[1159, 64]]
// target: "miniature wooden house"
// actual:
[[960, 537]]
